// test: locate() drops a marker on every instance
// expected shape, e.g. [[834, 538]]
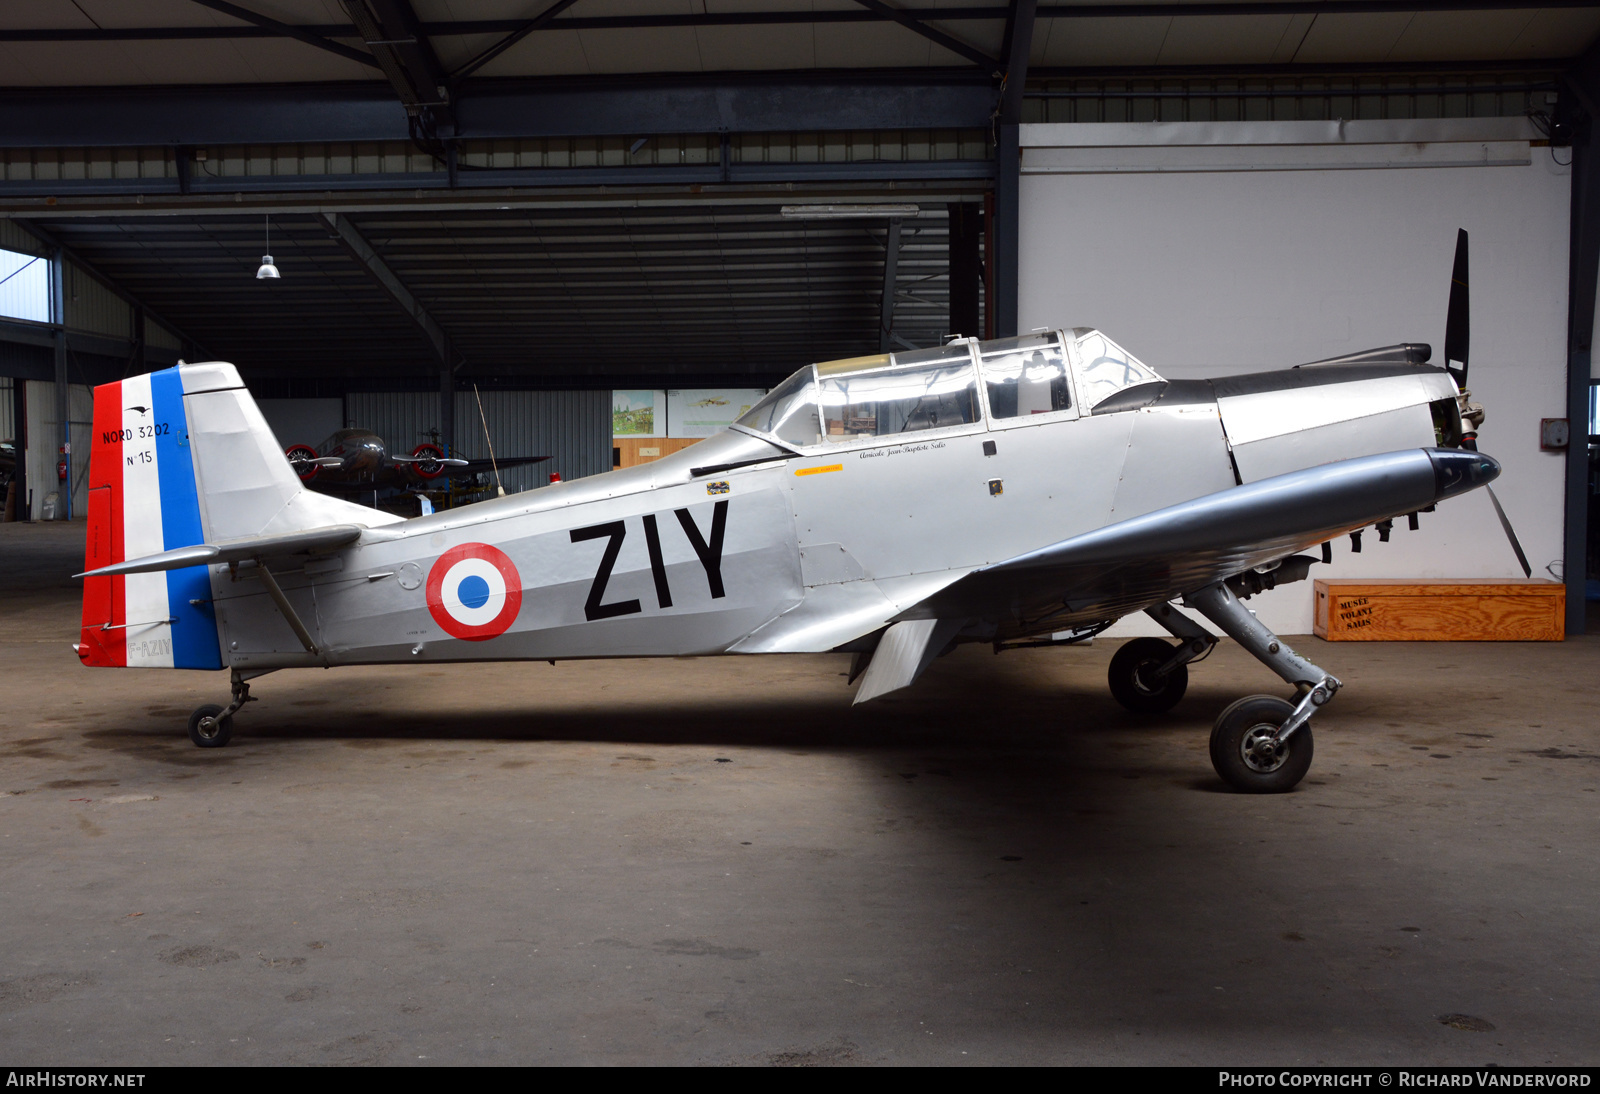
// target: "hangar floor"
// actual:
[[720, 862]]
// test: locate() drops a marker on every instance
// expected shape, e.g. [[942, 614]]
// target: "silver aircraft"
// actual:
[[1013, 492]]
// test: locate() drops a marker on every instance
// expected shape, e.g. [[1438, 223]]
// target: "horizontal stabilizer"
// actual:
[[906, 649], [201, 554]]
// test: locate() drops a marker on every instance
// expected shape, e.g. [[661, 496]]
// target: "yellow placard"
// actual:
[[825, 468]]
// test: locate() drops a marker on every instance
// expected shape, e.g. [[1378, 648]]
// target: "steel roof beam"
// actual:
[[934, 35], [391, 30], [311, 113], [1018, 46], [517, 34], [288, 30], [364, 253]]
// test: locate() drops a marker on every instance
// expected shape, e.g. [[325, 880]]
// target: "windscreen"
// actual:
[[1105, 368], [789, 411]]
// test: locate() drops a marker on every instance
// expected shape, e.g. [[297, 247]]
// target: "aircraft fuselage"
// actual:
[[788, 541]]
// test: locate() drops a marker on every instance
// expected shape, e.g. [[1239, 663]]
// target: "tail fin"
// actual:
[[181, 457], [247, 487]]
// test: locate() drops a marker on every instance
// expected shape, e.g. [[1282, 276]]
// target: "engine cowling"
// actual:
[[431, 460], [302, 457]]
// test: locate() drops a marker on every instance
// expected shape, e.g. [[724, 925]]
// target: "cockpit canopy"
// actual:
[[951, 385]]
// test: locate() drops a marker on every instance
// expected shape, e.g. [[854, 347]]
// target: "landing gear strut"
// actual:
[[1262, 744], [211, 726]]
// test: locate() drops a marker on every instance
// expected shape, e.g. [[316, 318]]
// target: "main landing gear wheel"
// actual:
[[1246, 751], [210, 726], [1137, 685]]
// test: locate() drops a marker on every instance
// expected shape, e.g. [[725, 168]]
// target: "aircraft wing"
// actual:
[[481, 467], [1127, 566]]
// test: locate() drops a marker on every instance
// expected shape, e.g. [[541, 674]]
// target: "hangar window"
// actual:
[[789, 411], [1025, 376], [926, 389], [1105, 368], [24, 286]]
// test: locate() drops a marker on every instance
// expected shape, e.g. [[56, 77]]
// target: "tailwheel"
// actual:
[[1246, 749], [211, 726], [1137, 681]]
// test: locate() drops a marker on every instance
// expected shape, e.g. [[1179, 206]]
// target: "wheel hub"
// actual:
[[208, 727], [1261, 749]]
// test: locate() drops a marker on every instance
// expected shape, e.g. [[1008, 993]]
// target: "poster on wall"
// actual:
[[701, 412], [638, 414]]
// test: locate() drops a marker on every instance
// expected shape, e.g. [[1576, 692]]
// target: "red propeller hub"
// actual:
[[427, 452], [300, 458]]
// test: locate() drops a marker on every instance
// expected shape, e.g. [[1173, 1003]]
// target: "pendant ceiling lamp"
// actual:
[[267, 270]]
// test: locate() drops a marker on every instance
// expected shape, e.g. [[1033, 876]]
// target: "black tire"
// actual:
[[219, 736], [1133, 678], [1250, 721]]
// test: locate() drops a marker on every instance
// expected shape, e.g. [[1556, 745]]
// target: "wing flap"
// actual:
[[905, 651]]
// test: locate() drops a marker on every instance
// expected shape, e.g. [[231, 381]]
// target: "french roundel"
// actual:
[[474, 592]]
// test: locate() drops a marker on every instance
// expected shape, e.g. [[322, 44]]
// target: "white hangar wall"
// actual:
[[1208, 249]]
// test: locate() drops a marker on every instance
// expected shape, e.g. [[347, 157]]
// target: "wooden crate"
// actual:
[[1440, 610], [632, 451]]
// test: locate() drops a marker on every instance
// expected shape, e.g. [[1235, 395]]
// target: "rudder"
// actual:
[[143, 500]]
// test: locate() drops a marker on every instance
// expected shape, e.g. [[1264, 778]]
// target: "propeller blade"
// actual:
[[1458, 320], [1505, 522]]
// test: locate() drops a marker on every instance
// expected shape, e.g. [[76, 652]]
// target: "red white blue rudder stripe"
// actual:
[[142, 501]]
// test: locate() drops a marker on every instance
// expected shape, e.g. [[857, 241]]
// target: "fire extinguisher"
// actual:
[[61, 465]]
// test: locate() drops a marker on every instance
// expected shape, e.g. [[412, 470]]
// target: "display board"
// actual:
[[1211, 249], [700, 412], [689, 412], [638, 413]]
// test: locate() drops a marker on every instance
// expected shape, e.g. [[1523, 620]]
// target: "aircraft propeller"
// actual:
[[1457, 346], [1458, 319]]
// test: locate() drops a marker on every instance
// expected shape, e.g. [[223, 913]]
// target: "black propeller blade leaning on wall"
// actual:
[[1458, 321]]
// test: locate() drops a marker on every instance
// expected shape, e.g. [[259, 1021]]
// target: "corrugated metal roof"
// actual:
[[729, 289]]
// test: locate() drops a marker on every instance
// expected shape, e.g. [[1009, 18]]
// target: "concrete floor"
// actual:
[[719, 862]]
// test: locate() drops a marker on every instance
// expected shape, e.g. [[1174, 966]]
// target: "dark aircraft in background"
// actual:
[[357, 461]]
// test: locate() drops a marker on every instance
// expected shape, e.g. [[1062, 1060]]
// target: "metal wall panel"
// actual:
[[573, 428], [44, 440], [13, 238], [91, 306], [27, 362], [404, 419], [160, 337]]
